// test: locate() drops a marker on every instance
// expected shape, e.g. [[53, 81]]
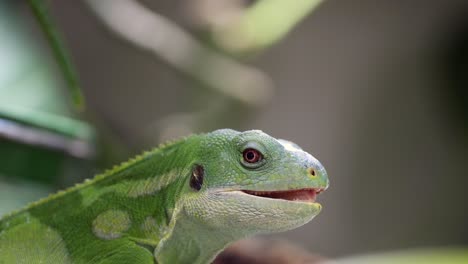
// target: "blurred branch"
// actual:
[[150, 31], [40, 12], [267, 251], [75, 147], [263, 24]]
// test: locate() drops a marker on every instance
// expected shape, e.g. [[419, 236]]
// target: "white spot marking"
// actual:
[[288, 145], [111, 224], [150, 185]]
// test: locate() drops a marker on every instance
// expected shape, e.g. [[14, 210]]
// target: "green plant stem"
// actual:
[[61, 55]]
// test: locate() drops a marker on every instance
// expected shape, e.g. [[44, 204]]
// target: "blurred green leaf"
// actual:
[[420, 256]]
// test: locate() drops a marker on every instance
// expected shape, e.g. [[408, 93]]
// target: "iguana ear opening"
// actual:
[[196, 180]]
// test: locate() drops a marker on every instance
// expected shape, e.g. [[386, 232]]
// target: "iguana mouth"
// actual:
[[303, 195]]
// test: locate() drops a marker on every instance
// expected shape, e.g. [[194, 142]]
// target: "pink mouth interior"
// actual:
[[308, 195]]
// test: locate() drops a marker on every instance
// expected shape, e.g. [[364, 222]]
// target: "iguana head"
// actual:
[[249, 182]]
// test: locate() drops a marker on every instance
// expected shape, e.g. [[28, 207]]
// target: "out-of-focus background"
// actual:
[[376, 90]]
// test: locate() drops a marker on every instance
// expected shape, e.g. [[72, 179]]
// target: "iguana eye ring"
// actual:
[[251, 155]]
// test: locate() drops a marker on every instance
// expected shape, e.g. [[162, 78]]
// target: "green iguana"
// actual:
[[180, 203]]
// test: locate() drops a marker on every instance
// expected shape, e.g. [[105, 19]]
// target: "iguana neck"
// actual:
[[144, 197], [198, 242]]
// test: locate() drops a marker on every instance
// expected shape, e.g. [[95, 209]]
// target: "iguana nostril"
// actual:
[[312, 172]]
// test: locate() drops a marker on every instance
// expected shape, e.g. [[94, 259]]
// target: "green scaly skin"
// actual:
[[180, 203]]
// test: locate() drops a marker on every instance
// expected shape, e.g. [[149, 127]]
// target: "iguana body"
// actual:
[[180, 203]]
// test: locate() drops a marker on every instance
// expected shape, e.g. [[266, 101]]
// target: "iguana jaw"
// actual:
[[307, 195], [253, 214]]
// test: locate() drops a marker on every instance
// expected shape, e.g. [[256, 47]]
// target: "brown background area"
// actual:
[[359, 85]]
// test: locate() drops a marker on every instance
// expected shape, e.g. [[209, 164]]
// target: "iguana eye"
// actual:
[[252, 155]]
